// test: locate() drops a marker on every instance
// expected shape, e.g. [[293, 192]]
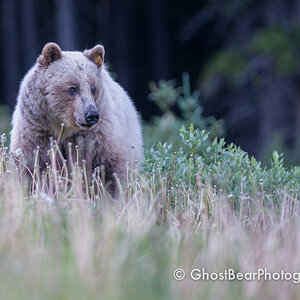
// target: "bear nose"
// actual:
[[91, 117]]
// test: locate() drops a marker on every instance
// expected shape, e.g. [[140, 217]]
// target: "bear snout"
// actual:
[[91, 116]]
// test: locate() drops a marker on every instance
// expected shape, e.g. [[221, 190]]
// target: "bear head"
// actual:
[[70, 82]]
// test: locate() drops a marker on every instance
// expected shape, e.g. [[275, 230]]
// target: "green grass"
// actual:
[[209, 205]]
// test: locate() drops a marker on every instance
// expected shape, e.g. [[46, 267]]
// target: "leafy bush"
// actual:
[[64, 239], [4, 120], [168, 98], [226, 167]]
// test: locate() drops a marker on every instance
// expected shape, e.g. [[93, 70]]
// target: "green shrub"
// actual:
[[228, 168], [167, 96]]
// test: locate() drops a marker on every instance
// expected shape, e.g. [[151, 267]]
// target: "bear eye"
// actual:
[[93, 90], [73, 90]]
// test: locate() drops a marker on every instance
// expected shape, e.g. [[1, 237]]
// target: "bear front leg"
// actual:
[[29, 149], [111, 170]]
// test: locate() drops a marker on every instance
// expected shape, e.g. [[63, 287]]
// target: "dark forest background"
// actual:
[[242, 56]]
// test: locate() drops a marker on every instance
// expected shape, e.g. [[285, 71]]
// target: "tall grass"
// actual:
[[62, 238]]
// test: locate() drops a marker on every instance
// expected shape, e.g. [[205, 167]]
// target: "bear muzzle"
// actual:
[[91, 116]]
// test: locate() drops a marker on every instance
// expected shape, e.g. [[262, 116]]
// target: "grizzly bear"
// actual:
[[75, 89]]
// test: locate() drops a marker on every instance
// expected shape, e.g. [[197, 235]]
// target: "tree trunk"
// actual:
[[273, 106], [10, 52], [123, 32], [160, 56], [29, 34], [104, 25], [276, 102], [64, 22]]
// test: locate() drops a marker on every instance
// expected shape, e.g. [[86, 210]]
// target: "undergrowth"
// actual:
[[225, 167], [207, 205]]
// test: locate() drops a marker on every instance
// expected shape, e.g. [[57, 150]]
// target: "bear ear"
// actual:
[[51, 52], [96, 55]]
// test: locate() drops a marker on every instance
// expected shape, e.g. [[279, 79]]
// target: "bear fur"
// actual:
[[62, 87]]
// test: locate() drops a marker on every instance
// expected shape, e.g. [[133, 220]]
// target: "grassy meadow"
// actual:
[[207, 205], [195, 202]]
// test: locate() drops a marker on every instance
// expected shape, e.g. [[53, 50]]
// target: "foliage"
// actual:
[[223, 69], [282, 44], [64, 239], [246, 79], [168, 98], [231, 68], [279, 43], [4, 119], [227, 167]]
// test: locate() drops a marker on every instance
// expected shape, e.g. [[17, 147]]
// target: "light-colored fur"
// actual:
[[42, 107]]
